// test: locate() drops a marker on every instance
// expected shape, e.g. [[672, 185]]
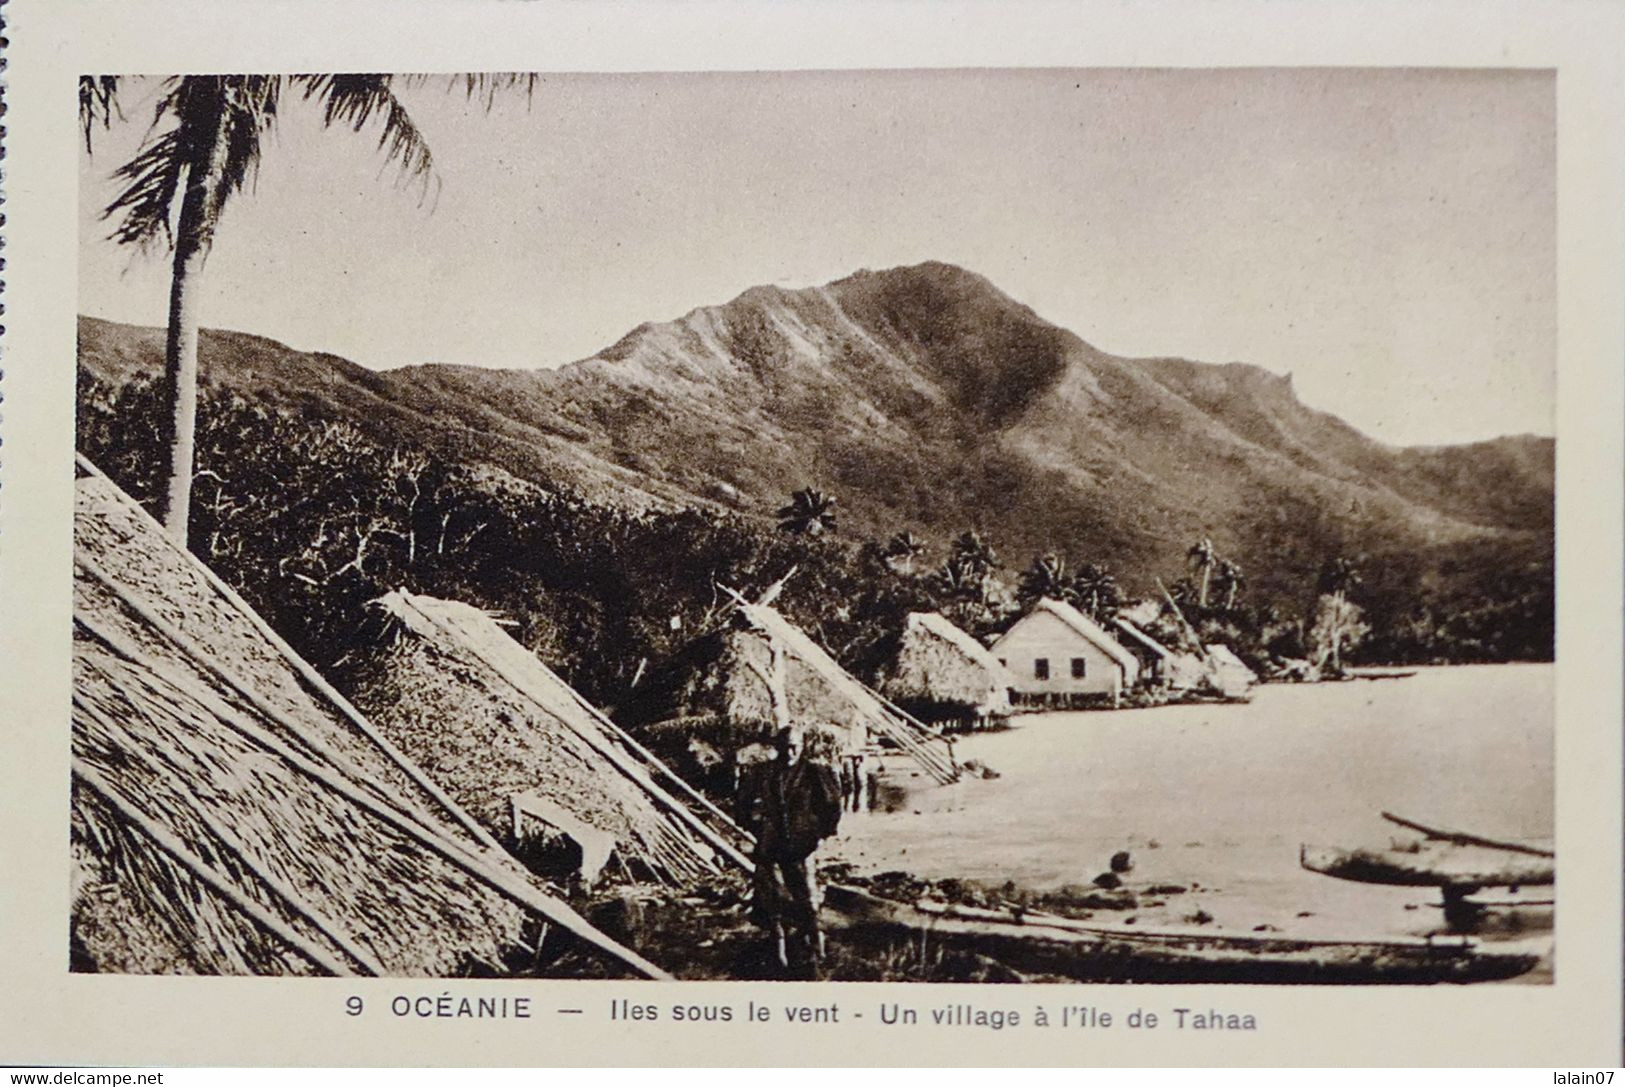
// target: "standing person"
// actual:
[[853, 779], [791, 804]]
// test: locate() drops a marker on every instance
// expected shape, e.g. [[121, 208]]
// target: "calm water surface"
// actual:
[[1222, 795]]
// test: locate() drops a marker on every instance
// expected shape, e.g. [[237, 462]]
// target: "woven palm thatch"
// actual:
[[502, 733], [940, 665], [774, 674], [232, 814]]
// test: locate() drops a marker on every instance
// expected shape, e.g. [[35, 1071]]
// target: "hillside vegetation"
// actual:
[[600, 504]]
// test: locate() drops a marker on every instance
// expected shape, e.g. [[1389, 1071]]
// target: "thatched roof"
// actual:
[[490, 723], [232, 814], [767, 651], [938, 662]]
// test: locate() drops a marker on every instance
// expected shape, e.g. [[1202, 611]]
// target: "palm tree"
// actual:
[[970, 548], [959, 580], [808, 513], [1336, 620], [1046, 577], [1338, 576], [1096, 591], [903, 549], [1229, 579], [1201, 558], [204, 146]]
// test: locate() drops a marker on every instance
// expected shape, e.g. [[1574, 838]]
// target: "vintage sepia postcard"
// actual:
[[742, 533]]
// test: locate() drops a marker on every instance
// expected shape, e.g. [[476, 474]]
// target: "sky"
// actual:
[[1388, 237]]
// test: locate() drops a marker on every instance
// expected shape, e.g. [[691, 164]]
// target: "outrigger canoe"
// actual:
[[1456, 861], [1045, 944], [1458, 867]]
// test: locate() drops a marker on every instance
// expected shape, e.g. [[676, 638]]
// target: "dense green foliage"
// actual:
[[312, 518]]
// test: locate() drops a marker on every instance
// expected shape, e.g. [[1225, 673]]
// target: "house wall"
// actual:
[[1041, 636]]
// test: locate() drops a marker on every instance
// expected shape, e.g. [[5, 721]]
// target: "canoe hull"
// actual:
[[1079, 954], [1463, 868]]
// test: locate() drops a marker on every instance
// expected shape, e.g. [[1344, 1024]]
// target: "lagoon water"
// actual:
[[1221, 796]]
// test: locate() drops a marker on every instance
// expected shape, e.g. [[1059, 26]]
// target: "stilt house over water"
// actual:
[[233, 814], [538, 765], [1060, 657], [940, 673]]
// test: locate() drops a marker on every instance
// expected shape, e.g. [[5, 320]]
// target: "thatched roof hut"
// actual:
[[764, 673], [232, 814], [939, 670], [523, 752]]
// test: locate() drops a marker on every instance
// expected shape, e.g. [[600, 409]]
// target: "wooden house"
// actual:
[[1174, 670], [1060, 657]]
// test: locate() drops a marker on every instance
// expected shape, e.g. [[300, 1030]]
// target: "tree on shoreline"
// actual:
[[203, 147], [971, 550], [1201, 558], [1096, 591], [1228, 579], [1046, 577], [1337, 622]]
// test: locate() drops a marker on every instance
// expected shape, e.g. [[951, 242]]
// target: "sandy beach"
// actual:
[[1218, 798]]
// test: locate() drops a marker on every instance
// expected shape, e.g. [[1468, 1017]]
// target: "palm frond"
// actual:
[[251, 113], [98, 104], [153, 176], [356, 101], [193, 114], [483, 87]]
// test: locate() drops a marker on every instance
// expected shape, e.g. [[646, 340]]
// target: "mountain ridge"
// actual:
[[926, 399]]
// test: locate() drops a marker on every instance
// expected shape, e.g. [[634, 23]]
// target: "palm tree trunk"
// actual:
[[1337, 634], [194, 237]]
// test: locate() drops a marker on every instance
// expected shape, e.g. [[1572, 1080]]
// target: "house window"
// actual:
[[1079, 667], [1041, 668]]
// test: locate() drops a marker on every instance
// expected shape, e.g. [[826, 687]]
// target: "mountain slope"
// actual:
[[924, 398]]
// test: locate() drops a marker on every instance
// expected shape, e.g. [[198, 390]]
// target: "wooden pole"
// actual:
[[301, 667], [171, 845], [1461, 838], [475, 864], [228, 841]]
